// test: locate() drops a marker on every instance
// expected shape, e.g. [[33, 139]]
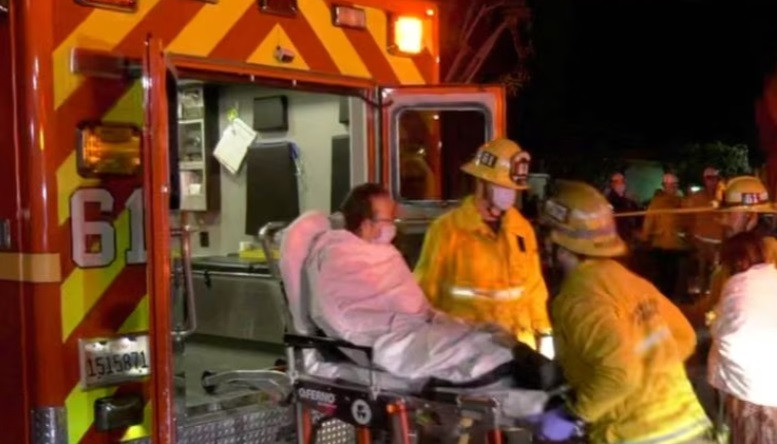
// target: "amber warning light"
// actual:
[[108, 149], [119, 5], [349, 17], [408, 35]]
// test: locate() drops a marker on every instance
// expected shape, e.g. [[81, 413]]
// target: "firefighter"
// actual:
[[703, 232], [703, 228], [480, 261], [621, 343], [662, 232], [744, 199]]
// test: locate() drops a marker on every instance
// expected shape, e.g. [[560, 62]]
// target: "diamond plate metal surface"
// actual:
[[49, 425], [246, 425], [336, 432]]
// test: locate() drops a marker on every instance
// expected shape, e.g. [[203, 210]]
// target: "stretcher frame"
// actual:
[[375, 412], [317, 400], [389, 411]]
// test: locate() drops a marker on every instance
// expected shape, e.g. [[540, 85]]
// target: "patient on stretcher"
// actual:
[[362, 291]]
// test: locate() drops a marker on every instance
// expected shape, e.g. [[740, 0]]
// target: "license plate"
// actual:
[[114, 360]]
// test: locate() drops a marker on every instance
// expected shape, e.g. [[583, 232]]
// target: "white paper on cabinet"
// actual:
[[233, 145]]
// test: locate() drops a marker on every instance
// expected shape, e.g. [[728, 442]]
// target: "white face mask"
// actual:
[[386, 234], [502, 198]]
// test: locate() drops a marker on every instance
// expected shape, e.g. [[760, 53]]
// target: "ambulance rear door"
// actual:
[[427, 134], [157, 194]]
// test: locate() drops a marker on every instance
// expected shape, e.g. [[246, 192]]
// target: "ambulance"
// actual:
[[130, 209]]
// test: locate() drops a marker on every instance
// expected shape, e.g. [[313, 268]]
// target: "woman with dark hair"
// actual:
[[742, 362]]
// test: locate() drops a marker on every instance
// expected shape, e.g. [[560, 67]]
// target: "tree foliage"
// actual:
[[593, 167], [476, 28], [691, 159]]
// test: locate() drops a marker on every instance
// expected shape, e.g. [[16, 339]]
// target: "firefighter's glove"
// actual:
[[556, 425]]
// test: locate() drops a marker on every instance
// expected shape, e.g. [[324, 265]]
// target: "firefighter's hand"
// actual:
[[556, 425]]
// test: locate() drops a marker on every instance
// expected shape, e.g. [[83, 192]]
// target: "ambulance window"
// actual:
[[433, 144]]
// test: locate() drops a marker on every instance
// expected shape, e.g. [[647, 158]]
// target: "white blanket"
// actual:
[[365, 294]]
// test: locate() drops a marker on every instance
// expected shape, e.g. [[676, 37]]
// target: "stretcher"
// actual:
[[331, 380]]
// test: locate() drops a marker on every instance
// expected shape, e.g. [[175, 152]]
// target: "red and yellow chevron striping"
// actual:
[[103, 301]]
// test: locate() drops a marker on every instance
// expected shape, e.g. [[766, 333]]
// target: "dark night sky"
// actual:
[[644, 74]]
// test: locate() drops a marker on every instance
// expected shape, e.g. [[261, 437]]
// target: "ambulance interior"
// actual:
[[309, 150]]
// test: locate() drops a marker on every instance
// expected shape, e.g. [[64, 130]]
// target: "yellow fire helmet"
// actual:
[[581, 220], [501, 162], [747, 193]]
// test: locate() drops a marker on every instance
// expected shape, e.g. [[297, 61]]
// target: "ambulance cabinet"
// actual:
[[198, 133], [238, 299]]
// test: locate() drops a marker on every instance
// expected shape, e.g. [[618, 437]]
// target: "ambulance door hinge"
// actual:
[[49, 425], [375, 104]]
